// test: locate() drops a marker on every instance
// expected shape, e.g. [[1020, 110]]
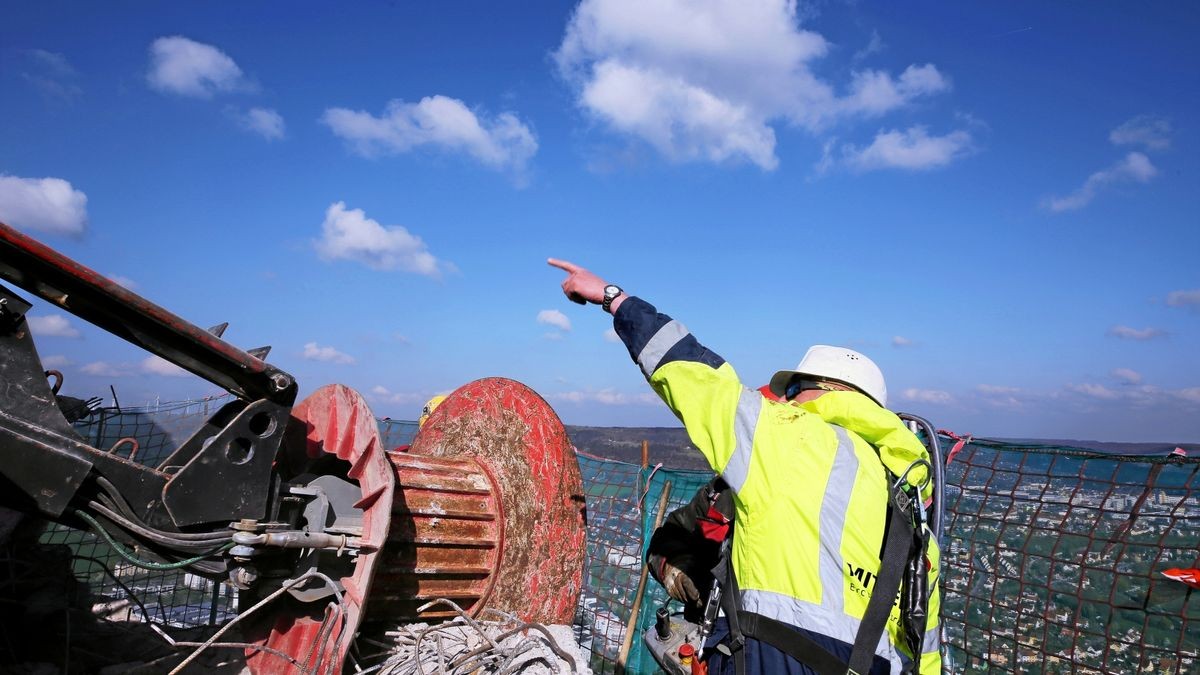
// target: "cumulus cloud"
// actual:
[[607, 397], [1134, 168], [1189, 299], [185, 67], [553, 317], [610, 335], [52, 325], [384, 395], [901, 341], [1153, 133], [156, 365], [1127, 376], [502, 142], [105, 369], [926, 396], [48, 205], [708, 80], [913, 150], [262, 121], [1000, 396], [315, 352], [56, 361], [1094, 391], [348, 234], [123, 281], [1140, 334], [874, 46], [52, 74]]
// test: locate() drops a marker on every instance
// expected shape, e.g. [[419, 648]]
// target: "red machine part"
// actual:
[[517, 440], [489, 512], [335, 420]]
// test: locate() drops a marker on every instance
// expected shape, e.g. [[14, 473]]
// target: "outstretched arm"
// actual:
[[720, 415]]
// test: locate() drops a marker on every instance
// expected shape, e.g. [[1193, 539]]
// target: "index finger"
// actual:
[[564, 265]]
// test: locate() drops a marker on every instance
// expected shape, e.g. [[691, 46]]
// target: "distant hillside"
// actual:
[[668, 445], [671, 446]]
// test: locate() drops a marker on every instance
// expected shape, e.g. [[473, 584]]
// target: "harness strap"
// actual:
[[896, 551], [792, 642]]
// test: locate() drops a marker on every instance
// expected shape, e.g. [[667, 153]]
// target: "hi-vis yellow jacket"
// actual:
[[810, 492]]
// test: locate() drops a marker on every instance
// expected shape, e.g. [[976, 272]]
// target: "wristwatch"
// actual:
[[611, 293]]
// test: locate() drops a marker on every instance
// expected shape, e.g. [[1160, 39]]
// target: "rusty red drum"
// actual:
[[518, 441]]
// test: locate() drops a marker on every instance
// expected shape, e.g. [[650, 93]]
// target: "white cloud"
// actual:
[[1184, 299], [263, 121], [128, 283], [1127, 376], [156, 365], [502, 142], [607, 397], [1140, 334], [52, 74], [610, 335], [56, 361], [1153, 133], [189, 68], [874, 46], [351, 235], [996, 389], [1134, 168], [105, 369], [553, 317], [315, 352], [384, 395], [901, 341], [874, 92], [43, 204], [1094, 391], [708, 80], [52, 325], [1000, 396], [1191, 394], [926, 396], [913, 149]]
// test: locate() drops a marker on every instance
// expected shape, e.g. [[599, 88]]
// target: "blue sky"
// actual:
[[996, 201]]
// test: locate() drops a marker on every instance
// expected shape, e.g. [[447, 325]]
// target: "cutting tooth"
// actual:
[[219, 329], [259, 353]]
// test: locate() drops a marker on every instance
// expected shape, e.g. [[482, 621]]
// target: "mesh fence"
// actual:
[[1052, 557], [623, 503]]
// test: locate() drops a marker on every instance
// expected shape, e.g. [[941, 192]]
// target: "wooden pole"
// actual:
[[645, 454], [641, 588]]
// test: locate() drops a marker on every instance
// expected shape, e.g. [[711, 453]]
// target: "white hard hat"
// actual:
[[840, 365]]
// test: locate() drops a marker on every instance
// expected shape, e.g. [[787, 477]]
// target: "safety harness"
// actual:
[[902, 570]]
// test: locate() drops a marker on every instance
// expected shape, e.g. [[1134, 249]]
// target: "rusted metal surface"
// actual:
[[334, 420], [520, 443], [446, 539]]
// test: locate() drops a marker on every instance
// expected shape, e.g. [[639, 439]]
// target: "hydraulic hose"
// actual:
[[138, 562], [158, 537]]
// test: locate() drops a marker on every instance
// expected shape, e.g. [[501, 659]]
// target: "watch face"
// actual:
[[611, 291]]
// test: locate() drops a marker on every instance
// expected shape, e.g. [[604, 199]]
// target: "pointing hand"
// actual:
[[580, 285]]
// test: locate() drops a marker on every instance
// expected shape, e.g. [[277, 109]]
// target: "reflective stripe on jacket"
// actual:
[[810, 494]]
